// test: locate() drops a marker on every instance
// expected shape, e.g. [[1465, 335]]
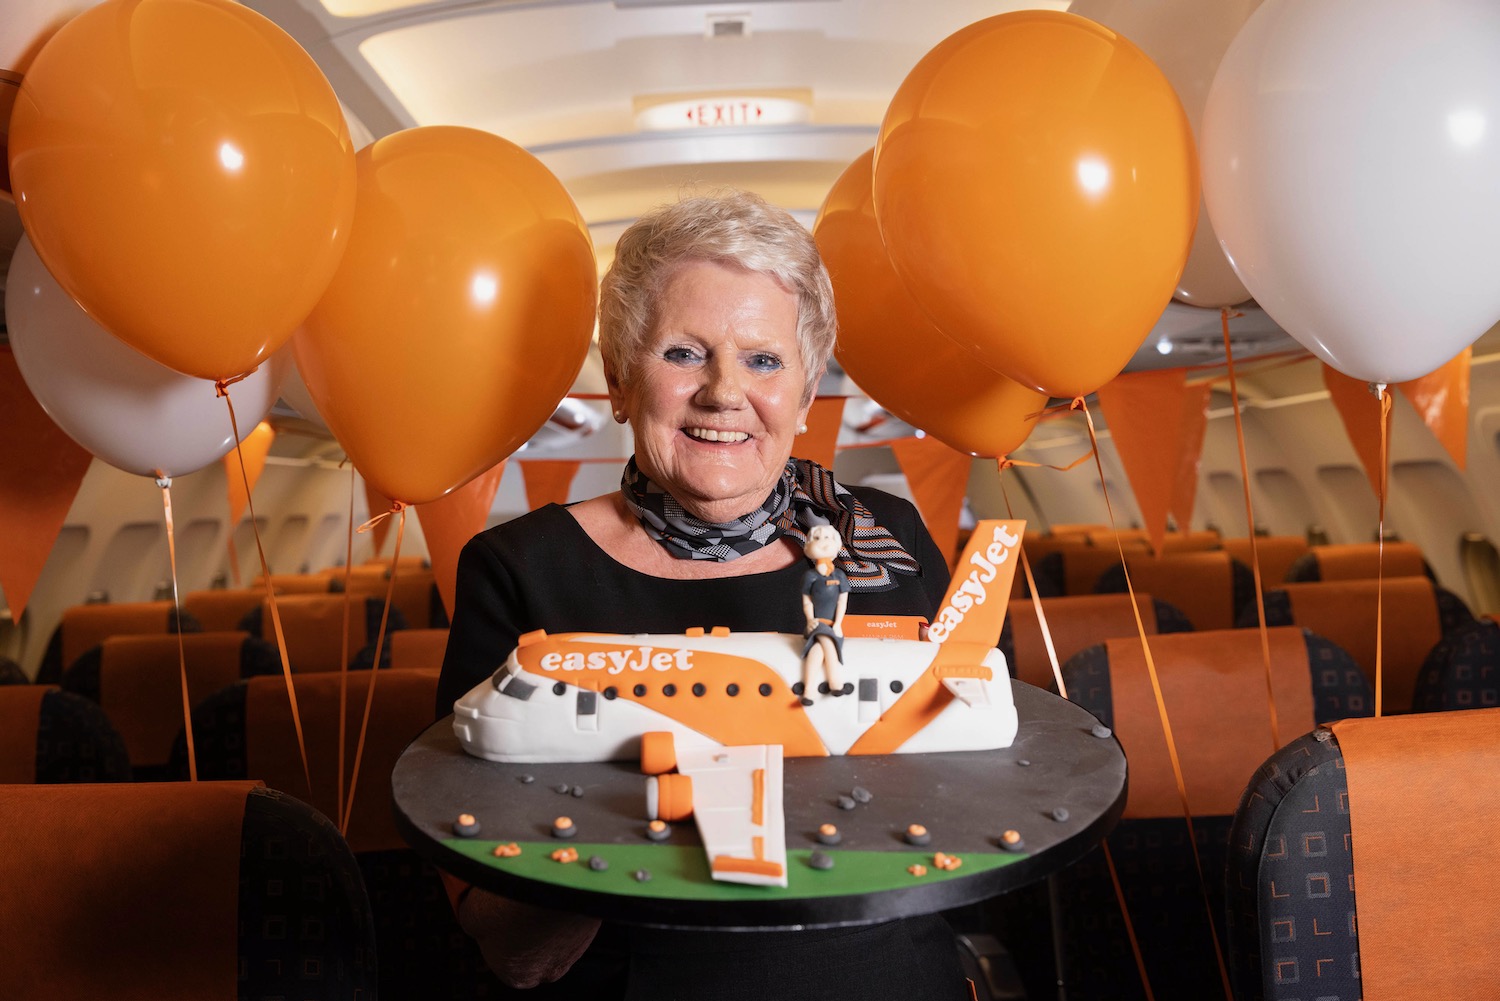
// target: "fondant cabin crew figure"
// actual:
[[825, 596], [716, 321]]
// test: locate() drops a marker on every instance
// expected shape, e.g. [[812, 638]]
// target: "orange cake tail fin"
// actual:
[[974, 608]]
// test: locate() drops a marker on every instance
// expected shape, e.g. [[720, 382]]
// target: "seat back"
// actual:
[[1208, 587], [84, 627], [296, 583], [1214, 686], [205, 891], [419, 649], [314, 627], [138, 682], [1277, 553], [1074, 624], [1363, 860], [415, 592], [1359, 560], [1344, 611], [51, 736], [246, 731], [224, 609]]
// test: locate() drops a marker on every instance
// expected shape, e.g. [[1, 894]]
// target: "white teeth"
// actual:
[[709, 434]]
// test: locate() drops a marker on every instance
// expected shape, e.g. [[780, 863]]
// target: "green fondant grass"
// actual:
[[681, 872]]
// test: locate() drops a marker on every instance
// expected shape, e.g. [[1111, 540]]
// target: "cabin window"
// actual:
[[130, 565], [1350, 511], [1481, 565], [1226, 498], [1280, 503], [198, 553], [328, 544], [246, 551], [290, 548], [1440, 502]]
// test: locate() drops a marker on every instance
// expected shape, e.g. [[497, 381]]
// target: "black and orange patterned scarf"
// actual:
[[806, 495]]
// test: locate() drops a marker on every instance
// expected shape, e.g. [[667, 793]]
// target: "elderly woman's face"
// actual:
[[716, 396]]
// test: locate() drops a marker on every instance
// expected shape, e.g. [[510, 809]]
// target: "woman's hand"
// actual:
[[525, 946]]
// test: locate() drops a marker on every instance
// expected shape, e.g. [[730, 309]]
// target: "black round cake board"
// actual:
[[1060, 785]]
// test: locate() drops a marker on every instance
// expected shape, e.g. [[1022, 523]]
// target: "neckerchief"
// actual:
[[804, 496]]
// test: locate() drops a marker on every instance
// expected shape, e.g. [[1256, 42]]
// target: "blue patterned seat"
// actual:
[[1154, 861]]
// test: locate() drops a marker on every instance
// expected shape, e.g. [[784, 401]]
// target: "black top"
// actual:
[[542, 571]]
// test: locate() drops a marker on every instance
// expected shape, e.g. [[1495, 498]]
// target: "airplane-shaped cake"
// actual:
[[724, 709]]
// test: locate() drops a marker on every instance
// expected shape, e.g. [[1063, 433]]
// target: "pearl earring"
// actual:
[[619, 417], [802, 429]]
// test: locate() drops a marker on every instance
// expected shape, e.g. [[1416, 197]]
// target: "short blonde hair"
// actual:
[[736, 228]]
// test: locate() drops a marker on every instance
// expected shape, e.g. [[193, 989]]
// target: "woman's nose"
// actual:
[[723, 387]]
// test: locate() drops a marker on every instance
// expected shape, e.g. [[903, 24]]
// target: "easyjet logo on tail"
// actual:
[[974, 609]]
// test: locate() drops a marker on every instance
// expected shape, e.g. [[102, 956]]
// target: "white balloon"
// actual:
[[1186, 39], [294, 393], [1350, 154], [128, 410]]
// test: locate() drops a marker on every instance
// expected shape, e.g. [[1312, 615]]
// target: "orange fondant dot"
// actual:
[[507, 851], [466, 819], [828, 829], [657, 825], [565, 855], [1011, 837], [916, 830], [917, 870], [563, 822], [946, 862]]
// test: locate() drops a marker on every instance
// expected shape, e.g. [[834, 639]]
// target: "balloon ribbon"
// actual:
[[344, 651], [222, 388], [1260, 601], [165, 482], [397, 508], [1161, 704], [1381, 390]]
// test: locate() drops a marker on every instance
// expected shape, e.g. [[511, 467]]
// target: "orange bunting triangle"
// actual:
[[547, 481], [824, 419], [1441, 399], [938, 477], [1194, 426], [1359, 409], [1145, 414], [41, 469], [453, 520], [255, 447]]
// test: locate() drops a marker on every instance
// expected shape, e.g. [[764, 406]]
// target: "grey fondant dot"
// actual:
[[861, 794], [1059, 813], [1100, 730], [820, 860], [642, 875], [598, 863], [846, 803]]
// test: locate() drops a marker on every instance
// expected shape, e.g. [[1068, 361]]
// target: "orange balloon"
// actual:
[[185, 173], [1037, 189], [892, 350], [460, 315]]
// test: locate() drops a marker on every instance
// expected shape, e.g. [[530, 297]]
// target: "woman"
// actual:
[[716, 322]]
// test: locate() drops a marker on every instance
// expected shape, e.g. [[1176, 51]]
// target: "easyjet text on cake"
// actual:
[[618, 661], [973, 592]]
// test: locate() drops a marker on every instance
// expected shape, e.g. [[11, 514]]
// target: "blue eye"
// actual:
[[680, 356], [765, 362]]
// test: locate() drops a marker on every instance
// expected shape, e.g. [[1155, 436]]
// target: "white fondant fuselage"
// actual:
[[578, 707]]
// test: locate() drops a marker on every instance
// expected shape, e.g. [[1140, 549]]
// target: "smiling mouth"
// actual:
[[709, 434]]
